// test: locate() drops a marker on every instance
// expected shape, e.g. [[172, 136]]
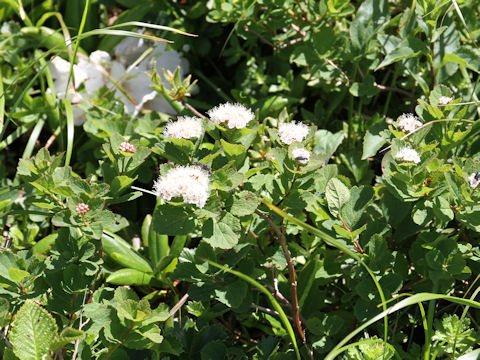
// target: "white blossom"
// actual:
[[290, 132], [409, 122], [188, 182], [134, 79], [97, 71], [474, 179], [302, 155], [408, 154], [235, 115], [444, 100], [186, 127]]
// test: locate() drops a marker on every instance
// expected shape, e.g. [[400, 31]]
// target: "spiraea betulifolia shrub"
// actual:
[[281, 180]]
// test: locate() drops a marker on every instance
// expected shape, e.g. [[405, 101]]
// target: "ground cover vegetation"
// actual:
[[269, 179]]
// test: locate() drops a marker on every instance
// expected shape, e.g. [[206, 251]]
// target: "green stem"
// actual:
[[430, 313]]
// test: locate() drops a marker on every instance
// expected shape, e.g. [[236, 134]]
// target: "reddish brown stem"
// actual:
[[291, 274]]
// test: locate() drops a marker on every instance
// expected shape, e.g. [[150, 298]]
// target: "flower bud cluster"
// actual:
[[127, 147], [82, 208]]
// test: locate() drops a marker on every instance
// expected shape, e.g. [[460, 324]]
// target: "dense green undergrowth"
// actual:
[[239, 179]]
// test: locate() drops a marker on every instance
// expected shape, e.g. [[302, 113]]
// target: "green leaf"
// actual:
[[33, 331], [326, 143], [366, 88], [17, 274], [68, 335], [223, 233], [408, 48], [422, 212], [337, 194], [465, 56], [234, 152], [130, 277], [233, 294], [353, 209], [323, 40], [173, 220], [157, 247], [120, 184], [244, 203], [373, 140], [123, 253]]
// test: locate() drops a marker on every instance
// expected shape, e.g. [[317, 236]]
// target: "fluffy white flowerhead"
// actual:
[[444, 100], [474, 179], [302, 155], [189, 182], [235, 115], [408, 154], [409, 122], [185, 127], [290, 132]]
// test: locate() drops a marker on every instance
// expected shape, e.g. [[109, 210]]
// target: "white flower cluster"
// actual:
[[235, 115], [409, 122], [444, 100], [188, 182], [474, 179], [291, 132], [97, 70], [408, 154], [302, 155], [185, 127]]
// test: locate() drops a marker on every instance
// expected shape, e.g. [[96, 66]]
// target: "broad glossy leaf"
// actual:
[[130, 277]]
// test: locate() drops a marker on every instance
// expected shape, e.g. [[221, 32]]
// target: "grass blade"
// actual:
[[70, 129], [414, 299], [2, 101], [33, 139]]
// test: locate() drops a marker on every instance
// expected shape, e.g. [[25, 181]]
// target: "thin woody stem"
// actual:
[[291, 274]]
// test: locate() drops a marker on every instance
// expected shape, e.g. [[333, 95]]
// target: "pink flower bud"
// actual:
[[82, 208], [127, 147]]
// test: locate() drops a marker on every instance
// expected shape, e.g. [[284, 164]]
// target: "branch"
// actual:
[[291, 274], [178, 305]]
